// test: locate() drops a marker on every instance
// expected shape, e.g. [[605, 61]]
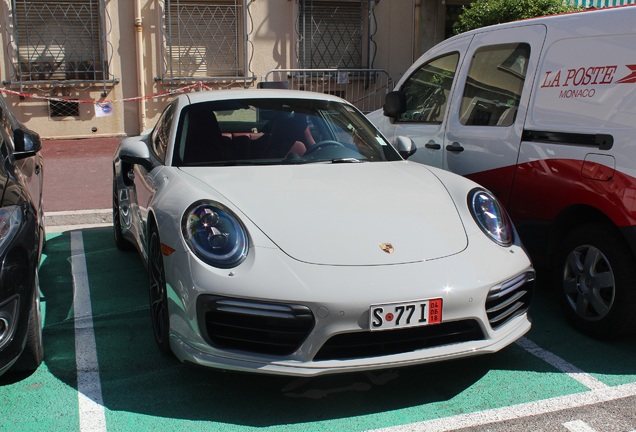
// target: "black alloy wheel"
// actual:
[[157, 293], [120, 241]]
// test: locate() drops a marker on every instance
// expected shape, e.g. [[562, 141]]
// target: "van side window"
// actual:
[[493, 86], [427, 90]]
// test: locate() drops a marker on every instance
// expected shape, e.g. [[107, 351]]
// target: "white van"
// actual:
[[543, 113]]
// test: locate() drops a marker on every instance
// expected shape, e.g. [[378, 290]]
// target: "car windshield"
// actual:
[[276, 131]]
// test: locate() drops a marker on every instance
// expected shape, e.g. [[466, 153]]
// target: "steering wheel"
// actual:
[[321, 145]]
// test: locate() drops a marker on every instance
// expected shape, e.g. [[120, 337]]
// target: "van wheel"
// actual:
[[597, 282]]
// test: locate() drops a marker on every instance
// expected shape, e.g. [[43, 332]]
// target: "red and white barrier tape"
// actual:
[[92, 101]]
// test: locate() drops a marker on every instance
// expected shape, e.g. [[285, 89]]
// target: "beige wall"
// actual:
[[395, 36], [430, 22], [272, 33]]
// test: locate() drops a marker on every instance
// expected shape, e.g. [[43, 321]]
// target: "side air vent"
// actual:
[[259, 327], [510, 299]]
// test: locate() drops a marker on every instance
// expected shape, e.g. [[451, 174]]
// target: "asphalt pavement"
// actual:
[[78, 182]]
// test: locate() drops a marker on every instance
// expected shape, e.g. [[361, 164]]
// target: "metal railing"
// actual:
[[364, 88]]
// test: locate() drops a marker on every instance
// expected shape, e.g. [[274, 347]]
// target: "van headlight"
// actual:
[[215, 234], [491, 217]]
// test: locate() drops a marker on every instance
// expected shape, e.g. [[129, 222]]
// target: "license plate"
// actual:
[[408, 314]]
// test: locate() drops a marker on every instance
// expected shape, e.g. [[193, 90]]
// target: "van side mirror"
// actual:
[[27, 143], [405, 146], [395, 104]]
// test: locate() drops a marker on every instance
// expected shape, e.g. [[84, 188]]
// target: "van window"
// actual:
[[427, 90], [493, 85]]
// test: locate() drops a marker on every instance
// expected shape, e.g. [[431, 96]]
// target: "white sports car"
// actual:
[[284, 234]]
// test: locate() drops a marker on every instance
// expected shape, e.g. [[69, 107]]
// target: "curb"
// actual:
[[78, 217]]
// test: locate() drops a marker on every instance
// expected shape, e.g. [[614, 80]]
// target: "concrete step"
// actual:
[[76, 219]]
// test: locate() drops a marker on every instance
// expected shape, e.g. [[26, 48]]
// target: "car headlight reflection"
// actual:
[[215, 234], [10, 220], [491, 217]]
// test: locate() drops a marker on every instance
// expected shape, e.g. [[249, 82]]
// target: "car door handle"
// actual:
[[432, 145], [455, 148]]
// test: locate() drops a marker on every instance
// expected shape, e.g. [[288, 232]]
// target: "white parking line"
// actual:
[[515, 412], [89, 390], [599, 392], [578, 426], [584, 378]]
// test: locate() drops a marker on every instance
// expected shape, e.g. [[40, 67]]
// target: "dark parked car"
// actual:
[[21, 241]]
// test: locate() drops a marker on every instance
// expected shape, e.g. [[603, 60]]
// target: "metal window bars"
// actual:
[[58, 42], [205, 40], [333, 34]]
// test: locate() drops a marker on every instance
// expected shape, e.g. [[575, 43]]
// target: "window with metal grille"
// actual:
[[205, 38], [58, 40], [61, 109], [332, 34]]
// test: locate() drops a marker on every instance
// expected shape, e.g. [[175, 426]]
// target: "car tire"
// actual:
[[596, 281], [33, 352], [120, 240], [158, 293]]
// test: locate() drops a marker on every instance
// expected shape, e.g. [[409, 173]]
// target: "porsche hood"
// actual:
[[345, 214]]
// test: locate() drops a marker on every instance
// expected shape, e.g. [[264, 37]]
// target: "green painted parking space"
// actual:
[[140, 389], [52, 389], [611, 361]]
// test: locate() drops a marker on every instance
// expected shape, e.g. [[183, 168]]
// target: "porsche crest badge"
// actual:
[[387, 248]]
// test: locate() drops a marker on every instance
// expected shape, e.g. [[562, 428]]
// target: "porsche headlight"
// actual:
[[491, 217], [215, 234]]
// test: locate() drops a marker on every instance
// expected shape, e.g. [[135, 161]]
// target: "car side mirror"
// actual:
[[394, 104], [27, 143], [135, 152], [405, 146]]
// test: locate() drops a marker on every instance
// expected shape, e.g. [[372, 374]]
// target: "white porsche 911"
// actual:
[[283, 234]]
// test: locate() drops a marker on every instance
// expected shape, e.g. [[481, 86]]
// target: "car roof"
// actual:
[[213, 95]]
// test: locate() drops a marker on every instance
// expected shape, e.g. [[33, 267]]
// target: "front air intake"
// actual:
[[253, 326]]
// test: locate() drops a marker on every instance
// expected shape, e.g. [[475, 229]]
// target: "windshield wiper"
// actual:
[[347, 160], [295, 161], [232, 162]]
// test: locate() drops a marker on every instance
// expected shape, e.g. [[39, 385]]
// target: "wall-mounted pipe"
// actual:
[[140, 66]]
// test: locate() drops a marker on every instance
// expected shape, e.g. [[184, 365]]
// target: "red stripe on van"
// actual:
[[544, 188]]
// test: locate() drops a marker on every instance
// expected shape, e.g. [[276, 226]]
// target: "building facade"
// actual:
[[87, 68]]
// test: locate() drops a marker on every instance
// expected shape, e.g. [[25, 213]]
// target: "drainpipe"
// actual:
[[140, 66]]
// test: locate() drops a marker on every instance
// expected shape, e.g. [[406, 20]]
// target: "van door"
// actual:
[[428, 88], [489, 107]]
